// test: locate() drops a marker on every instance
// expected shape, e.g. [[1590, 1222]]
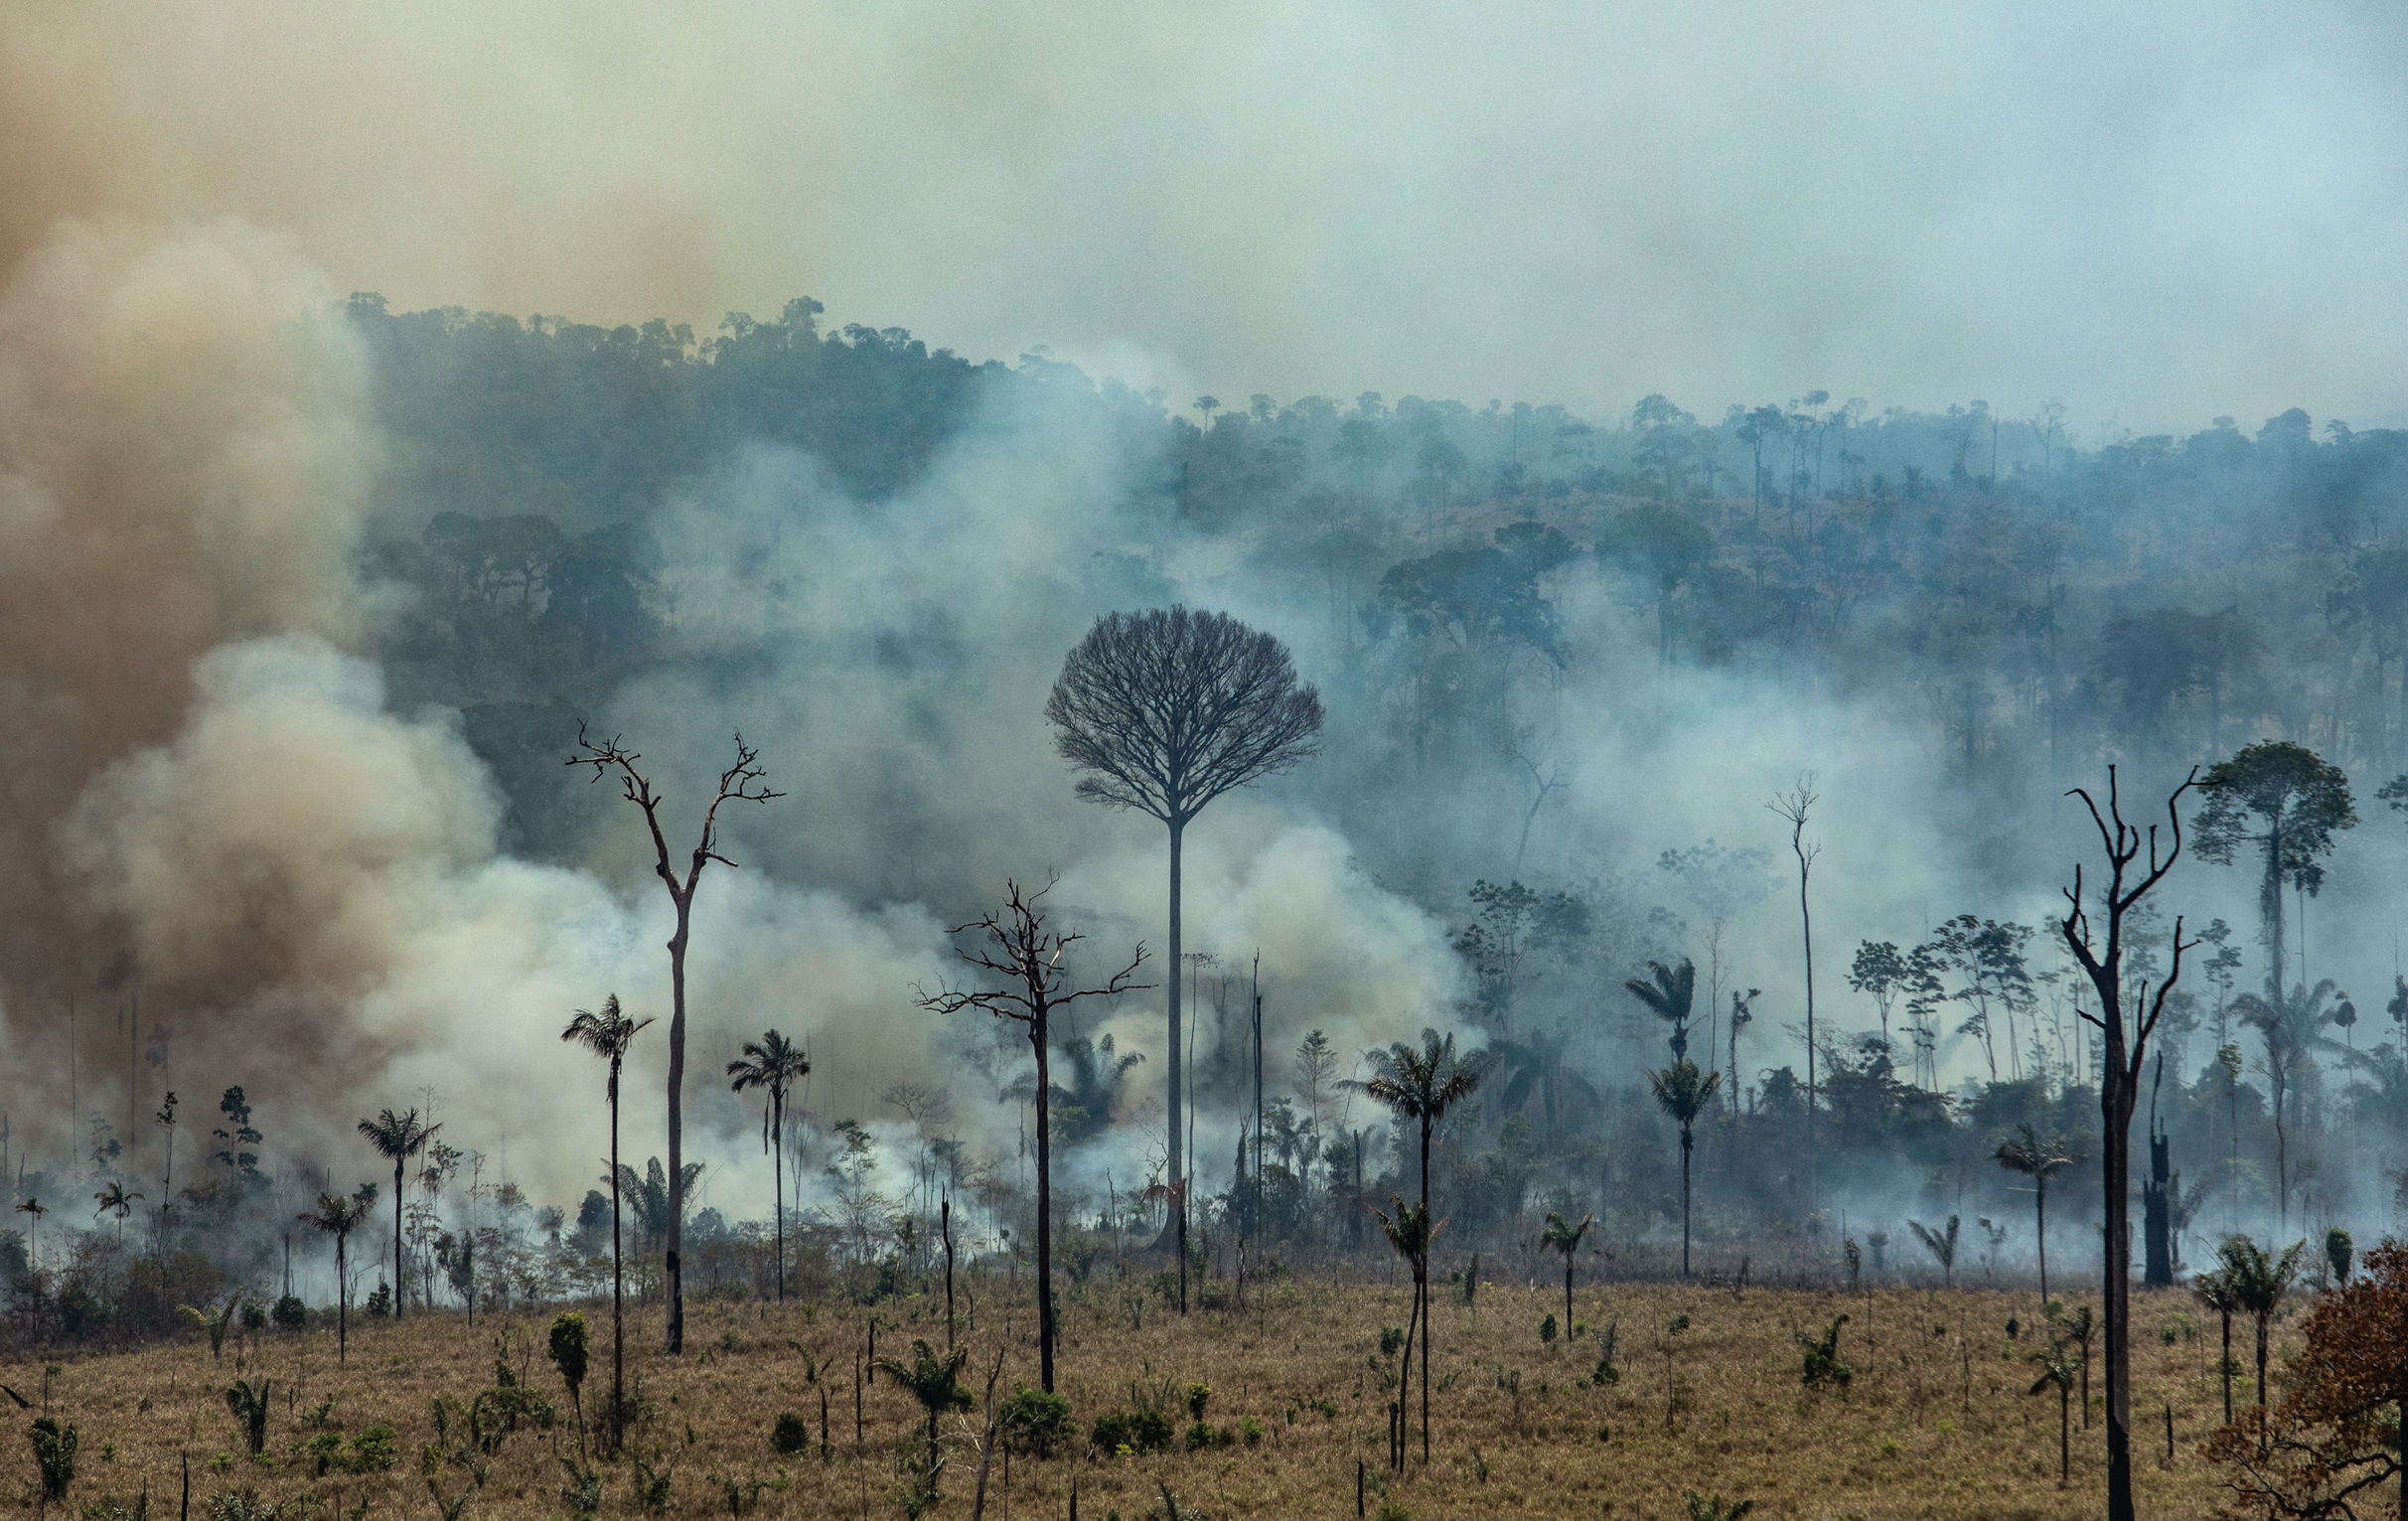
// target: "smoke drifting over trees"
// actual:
[[306, 595]]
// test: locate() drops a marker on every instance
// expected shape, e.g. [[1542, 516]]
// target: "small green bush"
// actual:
[[55, 1450], [790, 1435], [375, 1450], [1140, 1431], [1547, 1328], [381, 1302], [1391, 1338], [1034, 1422], [290, 1312]]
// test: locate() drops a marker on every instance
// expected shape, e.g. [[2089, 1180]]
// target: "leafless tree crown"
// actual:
[[1164, 712], [1025, 959]]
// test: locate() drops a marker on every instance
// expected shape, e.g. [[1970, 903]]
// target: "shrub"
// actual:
[[1034, 1422], [790, 1435], [1823, 1363], [1140, 1431], [254, 1315], [381, 1302], [1547, 1329], [290, 1312], [1252, 1430], [1198, 1396], [55, 1452], [375, 1450], [1391, 1338]]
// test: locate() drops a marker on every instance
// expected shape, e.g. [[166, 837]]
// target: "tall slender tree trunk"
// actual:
[[1172, 1150], [777, 1140], [1686, 1144], [618, 1280], [1422, 1285], [1814, 1162], [677, 1126], [2227, 1370], [1045, 1304], [2116, 1100], [2040, 1202], [342, 1308], [400, 1284]]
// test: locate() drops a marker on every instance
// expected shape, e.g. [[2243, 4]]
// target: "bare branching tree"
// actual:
[[1024, 961], [2126, 1045], [1162, 712], [741, 781], [1793, 806]]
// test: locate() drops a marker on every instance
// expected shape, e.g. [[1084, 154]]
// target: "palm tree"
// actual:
[[2213, 1293], [1669, 998], [1536, 1067], [775, 1063], [1410, 1233], [932, 1381], [397, 1138], [1941, 1245], [1683, 1091], [115, 1197], [2040, 1160], [2257, 1284], [1422, 1086], [608, 1035], [338, 1215], [1564, 1237], [36, 1209], [647, 1195]]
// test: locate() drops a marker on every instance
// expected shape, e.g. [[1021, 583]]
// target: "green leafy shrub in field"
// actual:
[[55, 1452], [1035, 1422], [790, 1435]]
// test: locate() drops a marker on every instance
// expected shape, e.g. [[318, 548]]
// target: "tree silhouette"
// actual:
[[741, 781], [114, 1198], [2213, 1292], [1162, 712], [1669, 998], [1025, 959], [1563, 1236], [1794, 808], [1941, 1243], [1684, 1091], [776, 1064], [2291, 1025], [2125, 1048], [2299, 801], [2257, 1281], [1537, 1068], [933, 1381], [1422, 1086], [2040, 1160], [338, 1215], [397, 1138], [1410, 1233], [608, 1035]]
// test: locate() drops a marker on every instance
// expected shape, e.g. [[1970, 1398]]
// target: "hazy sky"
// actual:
[[2160, 214]]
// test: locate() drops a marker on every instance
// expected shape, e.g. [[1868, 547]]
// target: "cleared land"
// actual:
[[1936, 1419]]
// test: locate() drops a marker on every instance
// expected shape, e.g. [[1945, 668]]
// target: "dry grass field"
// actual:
[[1937, 1419]]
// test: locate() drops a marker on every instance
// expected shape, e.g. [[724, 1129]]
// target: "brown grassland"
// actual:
[[1937, 1420]]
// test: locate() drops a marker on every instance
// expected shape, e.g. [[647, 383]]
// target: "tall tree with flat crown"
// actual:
[[2299, 801], [744, 781], [397, 1138], [1163, 711]]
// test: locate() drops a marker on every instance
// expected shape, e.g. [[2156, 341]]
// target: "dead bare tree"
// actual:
[[2127, 1044], [1164, 712], [1793, 806], [1025, 958], [741, 781]]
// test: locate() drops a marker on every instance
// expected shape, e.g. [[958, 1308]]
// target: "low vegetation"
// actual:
[[1925, 1409]]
